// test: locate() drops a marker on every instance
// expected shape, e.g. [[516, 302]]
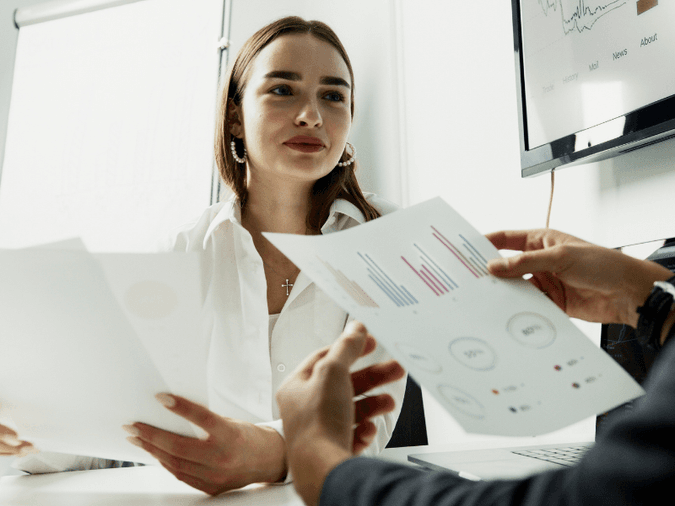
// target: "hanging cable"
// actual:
[[550, 201]]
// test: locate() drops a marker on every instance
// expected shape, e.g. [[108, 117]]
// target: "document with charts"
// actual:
[[497, 354]]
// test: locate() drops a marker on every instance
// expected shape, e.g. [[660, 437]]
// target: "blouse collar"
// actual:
[[342, 213]]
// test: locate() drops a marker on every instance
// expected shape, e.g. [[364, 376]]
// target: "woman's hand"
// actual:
[[586, 281], [234, 454], [10, 444]]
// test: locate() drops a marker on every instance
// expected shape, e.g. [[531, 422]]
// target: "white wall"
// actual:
[[461, 119], [622, 201], [462, 144], [462, 133]]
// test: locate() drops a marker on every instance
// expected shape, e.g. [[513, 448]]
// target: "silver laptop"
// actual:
[[500, 463], [497, 463]]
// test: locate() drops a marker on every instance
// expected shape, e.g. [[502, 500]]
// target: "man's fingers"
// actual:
[[363, 436], [546, 260], [307, 366], [370, 407], [509, 239], [350, 346], [353, 343], [376, 375]]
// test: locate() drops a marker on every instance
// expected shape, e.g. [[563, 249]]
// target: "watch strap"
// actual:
[[654, 312]]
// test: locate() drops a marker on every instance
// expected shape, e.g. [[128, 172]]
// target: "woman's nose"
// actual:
[[309, 115]]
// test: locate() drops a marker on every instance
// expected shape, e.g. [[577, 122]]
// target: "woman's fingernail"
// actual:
[[11, 440], [132, 430], [135, 441], [167, 400], [28, 450]]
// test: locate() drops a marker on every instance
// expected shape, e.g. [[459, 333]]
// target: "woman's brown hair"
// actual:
[[341, 181]]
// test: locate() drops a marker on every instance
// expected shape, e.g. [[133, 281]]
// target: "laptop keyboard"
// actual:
[[566, 456]]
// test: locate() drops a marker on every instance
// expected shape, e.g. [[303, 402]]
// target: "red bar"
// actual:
[[425, 281], [433, 279], [453, 252]]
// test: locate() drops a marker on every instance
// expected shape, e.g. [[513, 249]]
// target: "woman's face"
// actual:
[[295, 114]]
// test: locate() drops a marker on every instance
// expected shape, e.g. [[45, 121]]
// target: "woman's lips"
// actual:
[[305, 144], [305, 148]]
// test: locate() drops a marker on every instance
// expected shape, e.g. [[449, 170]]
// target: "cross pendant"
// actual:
[[287, 286]]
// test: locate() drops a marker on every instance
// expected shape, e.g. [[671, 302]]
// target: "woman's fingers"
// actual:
[[20, 450], [10, 444]]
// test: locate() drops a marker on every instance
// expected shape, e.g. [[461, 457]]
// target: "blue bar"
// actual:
[[474, 249], [370, 261], [409, 295], [384, 289], [428, 259]]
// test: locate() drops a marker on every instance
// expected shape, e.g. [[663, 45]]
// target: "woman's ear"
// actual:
[[234, 119]]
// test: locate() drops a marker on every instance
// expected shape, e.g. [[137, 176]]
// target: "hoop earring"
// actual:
[[233, 148], [351, 160]]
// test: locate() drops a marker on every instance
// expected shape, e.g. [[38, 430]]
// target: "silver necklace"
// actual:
[[288, 285]]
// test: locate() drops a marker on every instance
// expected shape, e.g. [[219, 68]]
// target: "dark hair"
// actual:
[[341, 181]]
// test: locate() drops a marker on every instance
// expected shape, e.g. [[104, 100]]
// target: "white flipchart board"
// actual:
[[111, 122]]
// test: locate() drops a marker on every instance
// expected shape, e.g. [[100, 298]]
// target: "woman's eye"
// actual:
[[334, 96], [281, 90]]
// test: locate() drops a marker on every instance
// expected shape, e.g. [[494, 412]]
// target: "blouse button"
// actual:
[[281, 368]]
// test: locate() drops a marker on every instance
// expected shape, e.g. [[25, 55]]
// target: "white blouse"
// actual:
[[251, 353]]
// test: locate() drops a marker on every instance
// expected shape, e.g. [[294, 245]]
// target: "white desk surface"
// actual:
[[154, 486], [139, 486], [130, 486]]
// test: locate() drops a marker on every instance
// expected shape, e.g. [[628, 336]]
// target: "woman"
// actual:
[[281, 145]]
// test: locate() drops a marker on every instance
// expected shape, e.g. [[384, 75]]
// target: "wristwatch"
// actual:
[[653, 314]]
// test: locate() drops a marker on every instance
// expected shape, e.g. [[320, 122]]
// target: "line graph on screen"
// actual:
[[580, 15]]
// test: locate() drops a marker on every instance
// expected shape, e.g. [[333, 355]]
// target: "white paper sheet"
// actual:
[[497, 354], [5, 465], [160, 296], [87, 344]]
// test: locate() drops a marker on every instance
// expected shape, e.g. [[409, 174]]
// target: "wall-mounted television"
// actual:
[[595, 78]]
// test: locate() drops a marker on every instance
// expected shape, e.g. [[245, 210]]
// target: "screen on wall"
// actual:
[[594, 76]]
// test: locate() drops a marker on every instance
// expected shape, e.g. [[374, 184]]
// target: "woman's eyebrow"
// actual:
[[283, 74], [294, 76], [335, 81]]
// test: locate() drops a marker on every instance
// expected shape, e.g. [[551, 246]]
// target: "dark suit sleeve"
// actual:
[[632, 463]]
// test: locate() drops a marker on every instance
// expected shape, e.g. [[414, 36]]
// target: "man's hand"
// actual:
[[586, 281], [234, 454], [323, 424]]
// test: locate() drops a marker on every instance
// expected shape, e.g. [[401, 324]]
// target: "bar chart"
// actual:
[[351, 287], [397, 293]]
